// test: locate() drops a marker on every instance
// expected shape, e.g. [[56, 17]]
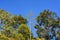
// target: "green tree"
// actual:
[[13, 27], [23, 29], [47, 22]]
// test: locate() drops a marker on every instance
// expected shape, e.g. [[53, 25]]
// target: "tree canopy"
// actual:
[[47, 25], [14, 27]]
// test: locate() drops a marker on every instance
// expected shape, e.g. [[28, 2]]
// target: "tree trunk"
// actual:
[[59, 36]]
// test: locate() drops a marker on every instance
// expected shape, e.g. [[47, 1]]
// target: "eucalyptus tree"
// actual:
[[13, 27], [48, 25]]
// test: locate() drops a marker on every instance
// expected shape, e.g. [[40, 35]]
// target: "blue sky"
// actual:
[[24, 7]]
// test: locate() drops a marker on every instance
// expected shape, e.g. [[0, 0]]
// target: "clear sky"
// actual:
[[24, 7]]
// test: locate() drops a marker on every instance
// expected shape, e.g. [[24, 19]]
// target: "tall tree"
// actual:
[[13, 27], [48, 25]]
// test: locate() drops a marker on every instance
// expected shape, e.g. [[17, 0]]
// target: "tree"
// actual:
[[13, 27], [47, 25], [23, 29]]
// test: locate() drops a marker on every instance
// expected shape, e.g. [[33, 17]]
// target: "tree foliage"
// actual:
[[47, 25], [13, 27]]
